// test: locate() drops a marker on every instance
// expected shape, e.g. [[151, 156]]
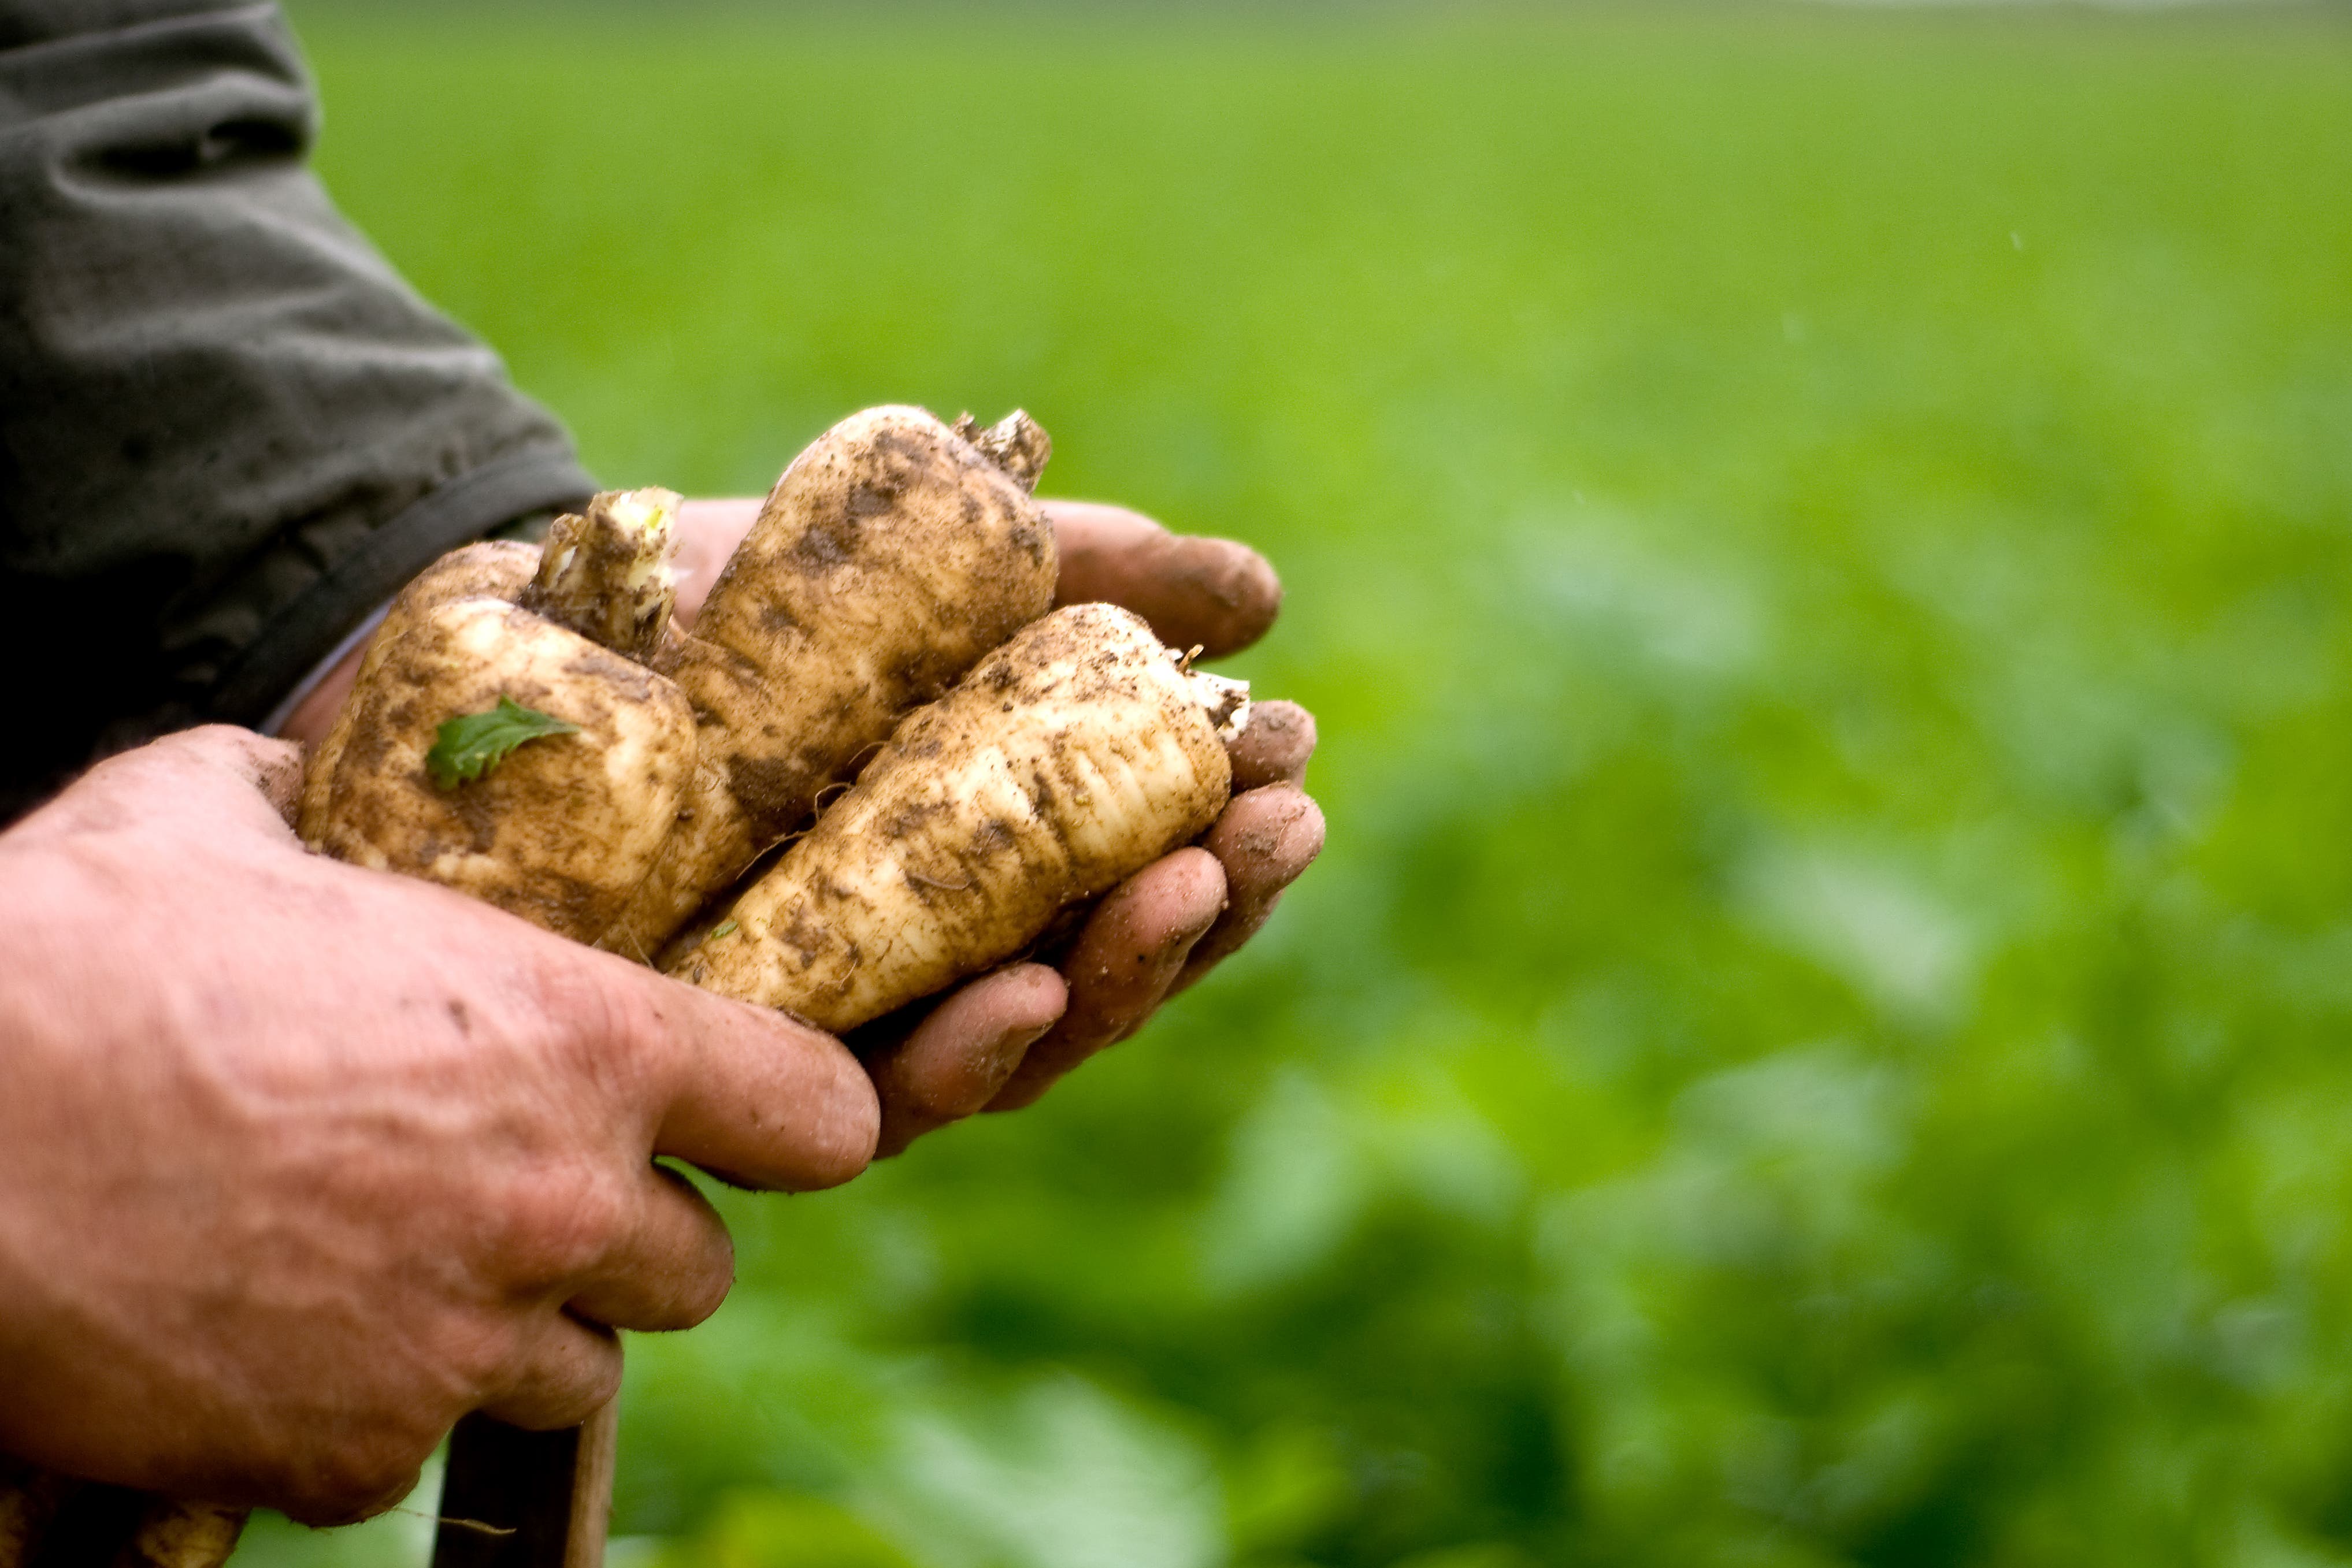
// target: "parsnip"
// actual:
[[175, 1534], [494, 568], [29, 1499], [892, 554], [562, 830], [127, 1529], [1071, 757]]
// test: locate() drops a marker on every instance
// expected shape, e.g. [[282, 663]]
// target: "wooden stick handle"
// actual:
[[512, 1498]]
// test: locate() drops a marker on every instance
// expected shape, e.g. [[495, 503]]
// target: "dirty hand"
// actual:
[[1000, 1041], [299, 1162]]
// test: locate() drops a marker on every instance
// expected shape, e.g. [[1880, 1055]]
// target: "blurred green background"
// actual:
[[1820, 540]]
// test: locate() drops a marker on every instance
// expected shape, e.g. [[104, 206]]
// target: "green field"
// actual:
[[1822, 543]]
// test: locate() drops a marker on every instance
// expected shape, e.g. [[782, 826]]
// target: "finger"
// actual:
[[707, 533], [753, 1096], [389, 1496], [315, 714], [1273, 746], [1214, 593], [243, 776], [345, 1504], [673, 1267], [569, 1370], [1265, 840], [956, 1060], [234, 759], [1131, 949]]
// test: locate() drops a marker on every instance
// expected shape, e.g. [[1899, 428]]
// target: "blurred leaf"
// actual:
[[778, 1530]]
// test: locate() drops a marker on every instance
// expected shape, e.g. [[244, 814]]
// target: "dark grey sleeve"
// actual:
[[228, 429]]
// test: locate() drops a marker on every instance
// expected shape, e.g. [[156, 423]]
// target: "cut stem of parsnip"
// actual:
[[1067, 761], [606, 572]]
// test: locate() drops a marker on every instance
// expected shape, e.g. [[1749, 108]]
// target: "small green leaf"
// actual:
[[724, 928], [471, 744]]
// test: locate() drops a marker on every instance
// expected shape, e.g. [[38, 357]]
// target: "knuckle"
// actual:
[[367, 1470], [599, 1024], [565, 1390], [480, 1356], [595, 1384], [561, 1223], [576, 1014]]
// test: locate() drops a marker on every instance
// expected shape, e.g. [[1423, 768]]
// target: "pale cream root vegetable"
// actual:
[[494, 568], [560, 829], [174, 1534], [892, 554], [29, 1499], [130, 1530], [1070, 758]]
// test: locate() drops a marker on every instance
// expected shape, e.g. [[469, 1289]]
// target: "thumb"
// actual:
[[272, 766], [246, 776]]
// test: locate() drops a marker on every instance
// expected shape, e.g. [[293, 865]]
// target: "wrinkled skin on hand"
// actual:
[[1001, 1040], [299, 1162]]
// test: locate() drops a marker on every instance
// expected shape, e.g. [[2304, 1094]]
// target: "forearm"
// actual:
[[230, 429]]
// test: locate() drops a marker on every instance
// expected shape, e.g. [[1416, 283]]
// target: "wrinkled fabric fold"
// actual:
[[228, 429]]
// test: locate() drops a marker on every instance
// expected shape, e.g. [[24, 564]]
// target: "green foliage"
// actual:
[[470, 744], [766, 1529], [1819, 541]]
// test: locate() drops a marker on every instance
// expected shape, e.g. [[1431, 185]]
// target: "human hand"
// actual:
[[1000, 1041], [299, 1163]]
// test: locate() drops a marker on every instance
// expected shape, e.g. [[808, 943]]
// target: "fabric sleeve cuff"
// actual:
[[336, 605]]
